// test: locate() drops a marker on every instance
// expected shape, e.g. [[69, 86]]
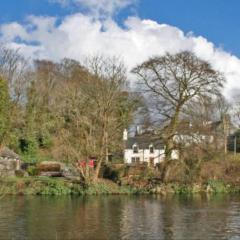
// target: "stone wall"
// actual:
[[8, 166]]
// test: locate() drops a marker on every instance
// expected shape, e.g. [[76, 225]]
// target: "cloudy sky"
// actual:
[[130, 29]]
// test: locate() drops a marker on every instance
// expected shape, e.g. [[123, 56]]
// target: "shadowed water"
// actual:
[[120, 217]]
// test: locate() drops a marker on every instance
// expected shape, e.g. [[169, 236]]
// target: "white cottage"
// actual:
[[144, 148]]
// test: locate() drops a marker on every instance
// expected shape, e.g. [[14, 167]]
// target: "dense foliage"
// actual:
[[64, 111], [4, 110]]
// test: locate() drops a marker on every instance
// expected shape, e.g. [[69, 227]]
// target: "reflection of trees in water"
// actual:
[[48, 217], [177, 218], [12, 220], [3, 190], [195, 218], [75, 218], [140, 218], [98, 217], [233, 223], [119, 217]]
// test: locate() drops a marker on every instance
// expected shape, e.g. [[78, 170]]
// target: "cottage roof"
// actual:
[[144, 142]]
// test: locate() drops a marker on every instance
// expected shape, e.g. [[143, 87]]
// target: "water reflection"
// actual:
[[120, 217]]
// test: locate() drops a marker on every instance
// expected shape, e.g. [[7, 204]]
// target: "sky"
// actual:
[[131, 29]]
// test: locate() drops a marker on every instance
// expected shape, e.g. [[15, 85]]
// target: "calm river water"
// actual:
[[120, 217]]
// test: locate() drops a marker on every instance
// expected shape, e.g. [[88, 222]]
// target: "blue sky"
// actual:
[[131, 29], [217, 20]]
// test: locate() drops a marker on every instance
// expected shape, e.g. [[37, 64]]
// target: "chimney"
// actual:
[[138, 130], [125, 135]]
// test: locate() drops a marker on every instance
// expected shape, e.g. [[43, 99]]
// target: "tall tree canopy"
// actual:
[[171, 82]]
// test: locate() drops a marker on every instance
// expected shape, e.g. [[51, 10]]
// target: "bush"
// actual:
[[59, 186], [54, 187], [182, 189], [32, 171], [211, 170], [114, 172], [176, 172], [106, 187], [217, 186]]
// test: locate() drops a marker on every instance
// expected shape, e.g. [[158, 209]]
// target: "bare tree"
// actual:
[[171, 82], [107, 93], [209, 124], [14, 68], [96, 108], [223, 109]]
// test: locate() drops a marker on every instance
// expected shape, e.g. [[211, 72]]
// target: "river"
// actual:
[[120, 217]]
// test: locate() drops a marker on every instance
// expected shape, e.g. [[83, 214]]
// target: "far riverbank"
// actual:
[[60, 186]]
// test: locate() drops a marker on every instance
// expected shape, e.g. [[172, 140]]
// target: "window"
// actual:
[[151, 149], [135, 159], [135, 148]]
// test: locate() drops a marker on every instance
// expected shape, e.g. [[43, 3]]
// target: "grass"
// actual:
[[58, 187], [61, 187]]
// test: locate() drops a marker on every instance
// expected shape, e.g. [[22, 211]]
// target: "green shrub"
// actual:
[[32, 171], [55, 189], [182, 189], [59, 186], [218, 186]]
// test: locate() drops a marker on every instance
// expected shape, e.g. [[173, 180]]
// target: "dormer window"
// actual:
[[135, 148], [151, 149]]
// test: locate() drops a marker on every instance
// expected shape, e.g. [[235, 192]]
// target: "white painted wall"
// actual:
[[144, 155], [175, 155]]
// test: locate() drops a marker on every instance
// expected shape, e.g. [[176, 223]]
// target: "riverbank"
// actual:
[[60, 186], [219, 175]]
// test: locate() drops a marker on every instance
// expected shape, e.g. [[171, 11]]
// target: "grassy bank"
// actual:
[[218, 175], [58, 187], [212, 187]]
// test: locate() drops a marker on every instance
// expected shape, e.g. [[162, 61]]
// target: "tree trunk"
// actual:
[[97, 170], [168, 149], [169, 140], [106, 148], [102, 151], [170, 133]]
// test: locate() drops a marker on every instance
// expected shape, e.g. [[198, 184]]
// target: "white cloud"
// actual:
[[62, 2], [98, 8], [11, 30], [78, 35]]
